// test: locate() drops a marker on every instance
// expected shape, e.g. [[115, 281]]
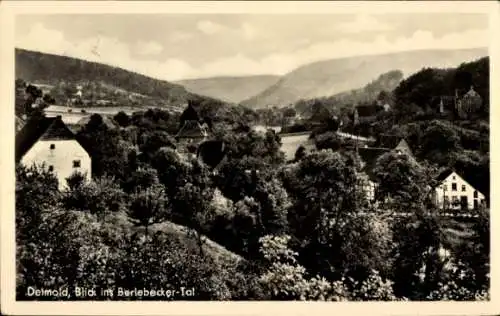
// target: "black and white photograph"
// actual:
[[204, 156]]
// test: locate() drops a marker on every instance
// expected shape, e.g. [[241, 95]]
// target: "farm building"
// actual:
[[48, 142]]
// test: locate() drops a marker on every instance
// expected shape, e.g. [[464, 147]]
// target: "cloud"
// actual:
[[149, 48], [117, 53], [249, 32], [102, 49], [42, 39], [180, 36], [209, 27], [282, 63], [363, 23]]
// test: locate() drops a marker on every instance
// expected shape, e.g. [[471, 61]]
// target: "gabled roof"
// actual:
[[404, 147], [19, 123], [41, 128], [189, 114], [444, 174], [466, 177], [192, 129]]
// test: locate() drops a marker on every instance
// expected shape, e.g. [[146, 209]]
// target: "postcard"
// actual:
[[247, 158]]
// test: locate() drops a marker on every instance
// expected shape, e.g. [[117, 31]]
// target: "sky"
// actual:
[[184, 46]]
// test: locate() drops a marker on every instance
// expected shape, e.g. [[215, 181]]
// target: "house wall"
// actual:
[[61, 158], [445, 189]]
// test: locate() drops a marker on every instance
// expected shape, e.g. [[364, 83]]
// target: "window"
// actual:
[[453, 186], [76, 163], [476, 204], [445, 187], [52, 146], [51, 168], [453, 178], [463, 188], [475, 194]]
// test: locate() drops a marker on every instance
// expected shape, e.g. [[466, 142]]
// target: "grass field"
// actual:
[[290, 144]]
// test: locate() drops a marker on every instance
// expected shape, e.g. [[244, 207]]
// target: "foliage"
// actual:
[[141, 179], [100, 196], [149, 206], [106, 147], [36, 192], [253, 144], [438, 141], [285, 279], [300, 153], [401, 182]]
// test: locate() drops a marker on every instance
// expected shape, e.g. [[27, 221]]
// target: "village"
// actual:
[[54, 145], [252, 157]]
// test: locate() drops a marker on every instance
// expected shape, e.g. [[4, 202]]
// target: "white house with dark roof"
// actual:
[[47, 141], [454, 192]]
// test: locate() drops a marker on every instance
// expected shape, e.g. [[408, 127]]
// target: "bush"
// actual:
[[101, 196]]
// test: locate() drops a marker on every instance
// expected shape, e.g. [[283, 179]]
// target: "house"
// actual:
[[48, 142], [455, 192], [461, 107], [370, 155], [193, 131]]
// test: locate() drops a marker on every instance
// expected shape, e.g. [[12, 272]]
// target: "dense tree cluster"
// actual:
[[253, 227]]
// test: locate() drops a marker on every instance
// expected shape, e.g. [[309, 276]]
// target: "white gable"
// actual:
[[64, 157]]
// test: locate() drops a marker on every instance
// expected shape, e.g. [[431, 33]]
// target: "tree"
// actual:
[[439, 141], [283, 278], [106, 147], [101, 196], [318, 215], [190, 202], [141, 179], [149, 206], [165, 261], [328, 140], [122, 119], [300, 153], [36, 192], [197, 214], [402, 183]]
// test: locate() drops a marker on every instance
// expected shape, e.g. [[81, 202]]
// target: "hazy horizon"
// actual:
[[201, 46]]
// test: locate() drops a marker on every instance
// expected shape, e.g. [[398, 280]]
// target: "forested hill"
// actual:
[[329, 77], [426, 87], [53, 70], [378, 89]]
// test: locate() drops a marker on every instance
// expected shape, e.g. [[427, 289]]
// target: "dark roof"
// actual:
[[192, 129], [388, 141], [444, 174], [370, 154], [470, 178], [211, 152], [368, 110], [41, 128], [189, 114]]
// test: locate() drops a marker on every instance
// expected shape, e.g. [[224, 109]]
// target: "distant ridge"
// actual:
[[330, 77], [230, 89]]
